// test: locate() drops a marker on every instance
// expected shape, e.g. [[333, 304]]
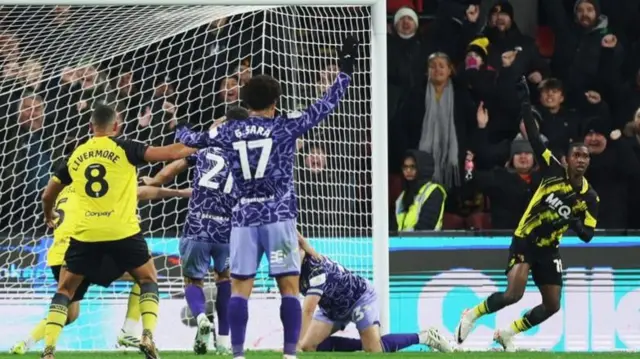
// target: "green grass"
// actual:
[[275, 355]]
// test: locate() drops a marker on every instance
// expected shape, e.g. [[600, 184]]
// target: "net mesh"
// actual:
[[159, 65]]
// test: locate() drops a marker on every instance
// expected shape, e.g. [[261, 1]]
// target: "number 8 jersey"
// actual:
[[103, 174], [212, 200]]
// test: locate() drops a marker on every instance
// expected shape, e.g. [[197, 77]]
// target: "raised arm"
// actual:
[[542, 153], [317, 112], [213, 138]]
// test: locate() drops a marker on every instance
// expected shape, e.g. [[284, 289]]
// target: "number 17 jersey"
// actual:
[[212, 199], [103, 174], [262, 152]]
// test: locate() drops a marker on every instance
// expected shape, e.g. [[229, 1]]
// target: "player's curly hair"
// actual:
[[261, 92]]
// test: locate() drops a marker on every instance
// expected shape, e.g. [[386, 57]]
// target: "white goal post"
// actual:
[[159, 62]]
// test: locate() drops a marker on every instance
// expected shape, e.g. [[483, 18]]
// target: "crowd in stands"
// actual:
[[454, 106], [458, 155]]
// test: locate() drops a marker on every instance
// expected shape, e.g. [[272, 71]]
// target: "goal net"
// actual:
[[158, 65]]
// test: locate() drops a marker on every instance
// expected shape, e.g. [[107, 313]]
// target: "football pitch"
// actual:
[[276, 355]]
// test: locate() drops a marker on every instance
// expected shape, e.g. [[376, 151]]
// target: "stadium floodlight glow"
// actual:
[[159, 62]]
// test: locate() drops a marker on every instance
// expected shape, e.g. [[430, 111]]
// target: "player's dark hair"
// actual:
[[261, 92], [103, 115], [573, 145], [236, 113]]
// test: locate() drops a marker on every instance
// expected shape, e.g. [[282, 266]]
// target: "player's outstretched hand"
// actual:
[[50, 219], [348, 54]]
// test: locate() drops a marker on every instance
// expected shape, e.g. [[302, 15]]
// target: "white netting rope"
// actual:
[[159, 65]]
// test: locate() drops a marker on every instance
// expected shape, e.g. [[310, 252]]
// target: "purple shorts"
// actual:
[[278, 240], [364, 313], [195, 257]]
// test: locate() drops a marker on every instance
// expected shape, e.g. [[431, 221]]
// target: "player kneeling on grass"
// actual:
[[344, 297], [66, 208]]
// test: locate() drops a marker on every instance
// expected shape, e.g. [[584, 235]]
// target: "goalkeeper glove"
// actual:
[[348, 54]]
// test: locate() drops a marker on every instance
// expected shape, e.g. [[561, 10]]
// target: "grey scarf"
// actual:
[[439, 135]]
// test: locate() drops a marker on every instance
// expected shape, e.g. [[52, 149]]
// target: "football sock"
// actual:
[[56, 319], [195, 299], [339, 344], [238, 317], [532, 318], [291, 317], [149, 307], [494, 303], [222, 303], [37, 333], [133, 310], [394, 342]]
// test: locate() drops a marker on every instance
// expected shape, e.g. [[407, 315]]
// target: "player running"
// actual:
[[338, 297], [262, 149], [66, 208], [206, 234], [102, 172], [563, 200]]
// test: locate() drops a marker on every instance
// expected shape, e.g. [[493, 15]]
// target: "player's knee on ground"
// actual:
[[307, 347], [193, 281], [371, 342], [73, 312], [289, 285]]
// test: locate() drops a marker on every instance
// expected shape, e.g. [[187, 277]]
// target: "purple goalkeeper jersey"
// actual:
[[338, 288], [212, 199], [262, 152]]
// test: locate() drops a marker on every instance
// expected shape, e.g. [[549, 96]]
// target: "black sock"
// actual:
[[495, 302], [537, 315]]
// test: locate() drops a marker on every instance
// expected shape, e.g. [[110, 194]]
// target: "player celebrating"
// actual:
[[563, 200], [262, 149], [102, 172], [206, 234], [66, 208], [343, 297]]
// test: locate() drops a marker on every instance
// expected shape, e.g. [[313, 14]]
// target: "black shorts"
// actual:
[[545, 263], [80, 291], [104, 262]]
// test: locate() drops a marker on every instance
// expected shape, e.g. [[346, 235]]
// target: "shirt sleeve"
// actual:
[[317, 281], [134, 150], [216, 137], [545, 157], [61, 174], [299, 125], [591, 214]]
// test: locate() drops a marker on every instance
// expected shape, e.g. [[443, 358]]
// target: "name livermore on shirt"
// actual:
[[261, 153]]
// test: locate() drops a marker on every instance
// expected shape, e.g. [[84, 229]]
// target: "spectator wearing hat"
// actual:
[[406, 50], [511, 187], [586, 53], [506, 37], [613, 169]]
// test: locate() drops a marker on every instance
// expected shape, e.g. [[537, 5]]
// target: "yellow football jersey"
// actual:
[[66, 207], [103, 173]]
